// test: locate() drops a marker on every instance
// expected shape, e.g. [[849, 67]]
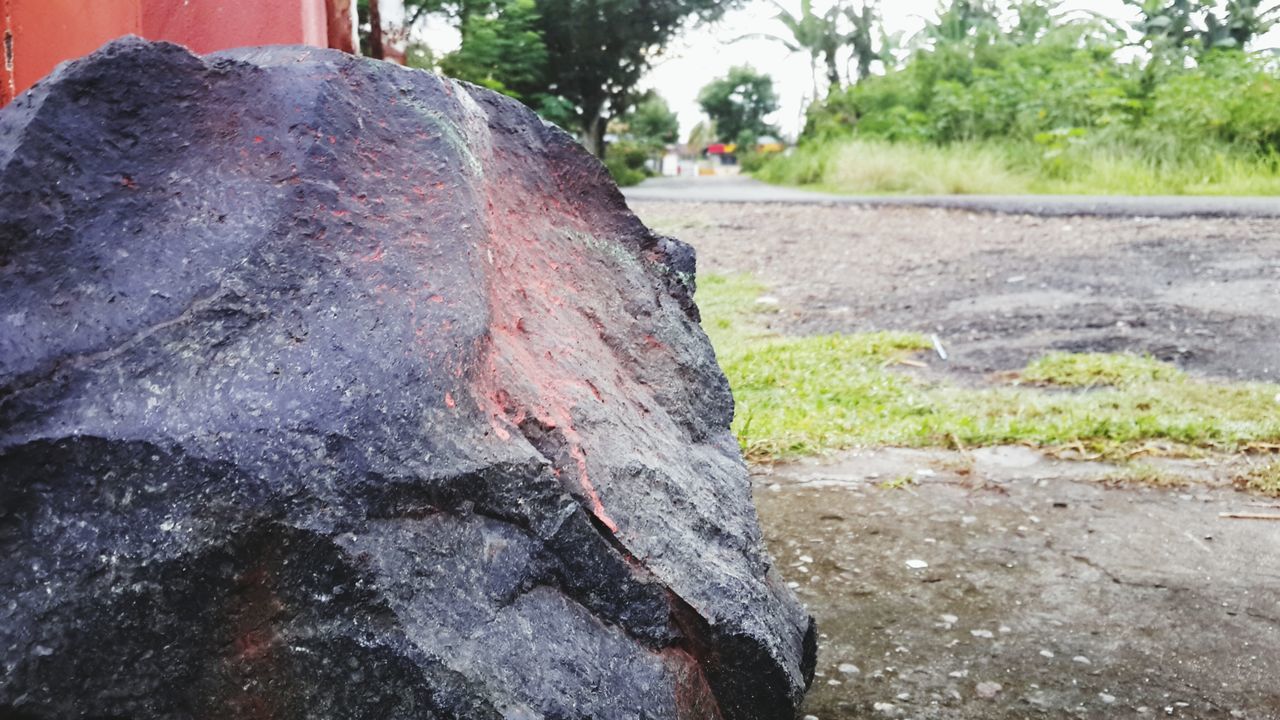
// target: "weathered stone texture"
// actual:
[[331, 389]]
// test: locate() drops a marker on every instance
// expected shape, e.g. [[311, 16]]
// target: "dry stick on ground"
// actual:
[[1248, 516]]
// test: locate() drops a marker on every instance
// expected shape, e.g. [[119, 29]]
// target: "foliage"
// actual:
[[502, 51], [1039, 101], [577, 61], [798, 395], [625, 162], [1115, 165], [651, 122], [1172, 28], [738, 104], [824, 36], [598, 51]]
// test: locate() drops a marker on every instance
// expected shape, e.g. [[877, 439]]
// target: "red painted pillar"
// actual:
[[209, 25], [39, 34]]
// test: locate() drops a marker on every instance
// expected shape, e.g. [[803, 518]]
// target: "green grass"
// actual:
[[864, 166], [1092, 369], [802, 395]]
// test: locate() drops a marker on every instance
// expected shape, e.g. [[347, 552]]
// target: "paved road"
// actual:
[[748, 190]]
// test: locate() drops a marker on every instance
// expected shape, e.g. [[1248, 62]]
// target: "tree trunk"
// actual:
[[833, 72], [593, 135], [375, 31]]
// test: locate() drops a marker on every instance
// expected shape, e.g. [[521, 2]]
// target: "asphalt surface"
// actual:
[[1005, 585], [1001, 289], [742, 189]]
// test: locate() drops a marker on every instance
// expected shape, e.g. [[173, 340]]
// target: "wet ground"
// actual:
[[1001, 584], [1000, 289]]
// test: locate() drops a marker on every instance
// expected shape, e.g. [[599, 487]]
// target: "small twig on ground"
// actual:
[[913, 363], [1269, 506], [1248, 516]]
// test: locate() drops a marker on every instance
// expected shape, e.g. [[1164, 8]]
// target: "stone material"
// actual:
[[332, 389]]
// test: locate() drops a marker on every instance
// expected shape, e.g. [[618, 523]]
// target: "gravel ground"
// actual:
[[1000, 289], [1001, 584]]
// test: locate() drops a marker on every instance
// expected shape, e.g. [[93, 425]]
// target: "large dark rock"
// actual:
[[331, 389]]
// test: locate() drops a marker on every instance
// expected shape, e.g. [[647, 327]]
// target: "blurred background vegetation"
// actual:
[[1021, 97], [992, 96]]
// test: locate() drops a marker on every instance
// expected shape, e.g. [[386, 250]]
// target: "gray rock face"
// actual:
[[331, 389]]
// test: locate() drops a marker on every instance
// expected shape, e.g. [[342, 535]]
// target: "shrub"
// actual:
[[625, 161]]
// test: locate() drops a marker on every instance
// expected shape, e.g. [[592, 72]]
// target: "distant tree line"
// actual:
[[1027, 69]]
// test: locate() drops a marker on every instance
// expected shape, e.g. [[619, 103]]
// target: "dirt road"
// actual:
[[999, 584]]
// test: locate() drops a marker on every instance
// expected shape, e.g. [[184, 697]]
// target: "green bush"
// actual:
[[625, 161], [1059, 114]]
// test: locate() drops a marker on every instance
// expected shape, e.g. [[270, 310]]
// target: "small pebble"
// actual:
[[950, 619], [1081, 659], [917, 564], [848, 669], [1106, 699], [982, 634], [1046, 653], [988, 690]]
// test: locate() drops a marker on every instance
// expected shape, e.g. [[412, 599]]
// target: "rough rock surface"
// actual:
[[332, 389]]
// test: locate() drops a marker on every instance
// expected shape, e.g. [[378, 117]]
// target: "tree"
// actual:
[[651, 123], [598, 50], [503, 51], [865, 22], [1236, 24], [817, 35], [738, 104], [964, 21], [460, 11]]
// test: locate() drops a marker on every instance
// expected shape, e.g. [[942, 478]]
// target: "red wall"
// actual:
[[209, 25], [39, 34]]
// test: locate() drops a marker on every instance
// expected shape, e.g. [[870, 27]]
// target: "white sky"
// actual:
[[707, 52]]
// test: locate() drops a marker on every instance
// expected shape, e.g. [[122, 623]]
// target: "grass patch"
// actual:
[[1264, 479], [1093, 369], [803, 395], [869, 166], [1142, 474]]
